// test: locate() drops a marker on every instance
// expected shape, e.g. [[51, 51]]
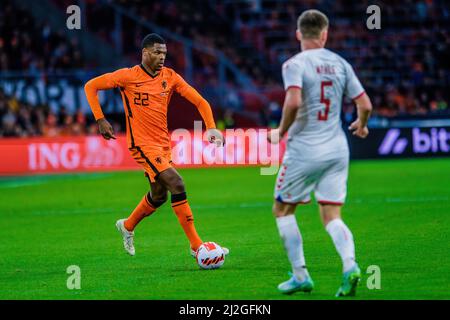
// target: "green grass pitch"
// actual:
[[398, 211]]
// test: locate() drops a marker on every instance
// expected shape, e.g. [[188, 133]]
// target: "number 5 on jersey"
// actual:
[[322, 115]]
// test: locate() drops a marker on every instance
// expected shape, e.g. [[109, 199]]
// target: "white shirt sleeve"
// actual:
[[353, 87], [292, 74]]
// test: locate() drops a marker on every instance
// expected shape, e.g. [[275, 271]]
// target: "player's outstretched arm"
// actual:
[[203, 107], [91, 88], [292, 102], [364, 109]]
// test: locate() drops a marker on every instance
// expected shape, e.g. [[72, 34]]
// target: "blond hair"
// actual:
[[311, 23]]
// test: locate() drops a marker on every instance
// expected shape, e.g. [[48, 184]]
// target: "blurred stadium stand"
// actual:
[[230, 50]]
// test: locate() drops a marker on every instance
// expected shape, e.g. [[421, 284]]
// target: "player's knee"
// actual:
[[157, 200], [160, 197], [325, 221], [172, 181], [177, 186], [275, 210], [330, 215], [281, 210]]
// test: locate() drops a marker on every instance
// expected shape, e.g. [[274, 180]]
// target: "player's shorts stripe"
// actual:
[[284, 202], [148, 162]]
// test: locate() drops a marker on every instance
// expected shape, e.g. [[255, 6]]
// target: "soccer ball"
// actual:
[[210, 256]]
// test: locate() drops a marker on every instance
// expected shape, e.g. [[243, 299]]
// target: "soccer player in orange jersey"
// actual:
[[146, 90]]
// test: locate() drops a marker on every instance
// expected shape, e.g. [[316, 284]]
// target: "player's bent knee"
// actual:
[[175, 185], [280, 209], [330, 214], [160, 198], [178, 187], [172, 181], [156, 200], [274, 210]]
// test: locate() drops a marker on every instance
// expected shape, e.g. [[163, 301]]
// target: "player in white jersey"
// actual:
[[317, 154]]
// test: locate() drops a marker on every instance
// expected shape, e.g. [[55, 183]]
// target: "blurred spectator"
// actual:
[[275, 112], [51, 128], [20, 119], [422, 10], [232, 99], [228, 119], [9, 127]]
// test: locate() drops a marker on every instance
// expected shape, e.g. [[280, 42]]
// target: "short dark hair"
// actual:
[[311, 23], [151, 39]]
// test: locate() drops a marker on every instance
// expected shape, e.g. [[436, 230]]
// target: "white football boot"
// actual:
[[127, 237]]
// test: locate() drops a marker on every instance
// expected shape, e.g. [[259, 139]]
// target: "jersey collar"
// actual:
[[153, 77]]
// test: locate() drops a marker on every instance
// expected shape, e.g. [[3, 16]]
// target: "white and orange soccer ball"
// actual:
[[210, 256]]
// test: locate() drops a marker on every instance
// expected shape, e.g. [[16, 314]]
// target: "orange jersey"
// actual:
[[145, 99]]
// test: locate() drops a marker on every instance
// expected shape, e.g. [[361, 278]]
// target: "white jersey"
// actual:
[[324, 78]]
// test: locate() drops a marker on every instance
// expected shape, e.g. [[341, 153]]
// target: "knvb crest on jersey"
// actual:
[[164, 86]]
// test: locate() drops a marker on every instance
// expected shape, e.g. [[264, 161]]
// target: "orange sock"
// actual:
[[143, 209], [183, 211]]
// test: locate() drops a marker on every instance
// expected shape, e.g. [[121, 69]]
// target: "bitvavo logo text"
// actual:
[[433, 140]]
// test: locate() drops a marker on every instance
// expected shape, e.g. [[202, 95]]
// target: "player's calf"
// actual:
[[126, 227], [142, 210], [182, 210]]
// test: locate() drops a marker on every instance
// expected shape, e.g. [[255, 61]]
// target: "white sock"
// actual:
[[293, 244], [343, 241]]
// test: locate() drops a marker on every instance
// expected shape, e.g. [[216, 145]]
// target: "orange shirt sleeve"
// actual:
[[203, 107], [106, 81]]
